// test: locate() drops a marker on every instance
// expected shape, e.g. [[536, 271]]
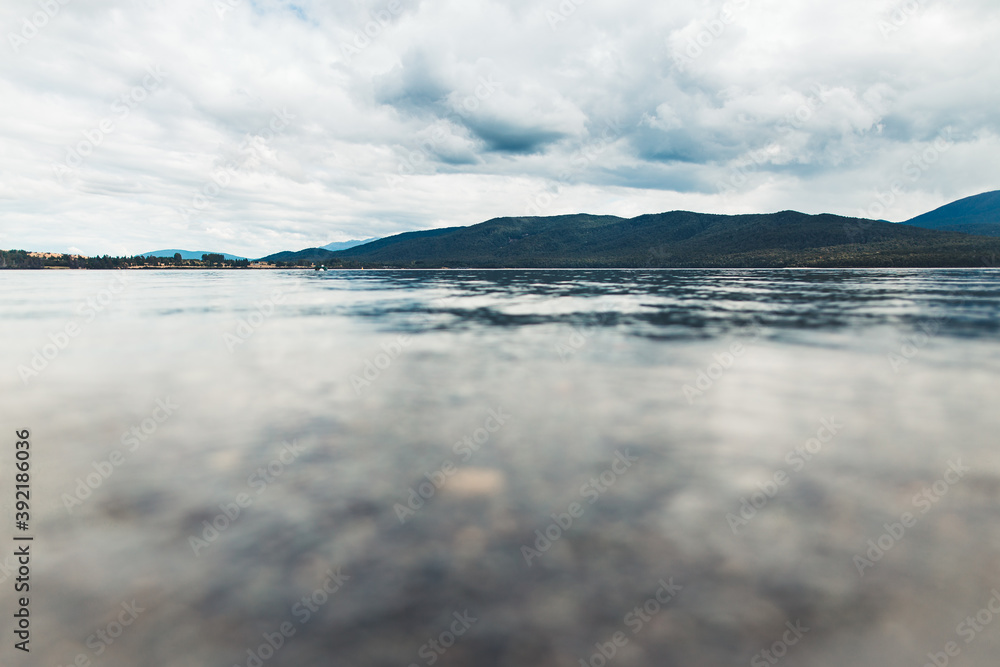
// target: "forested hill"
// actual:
[[675, 239], [973, 215]]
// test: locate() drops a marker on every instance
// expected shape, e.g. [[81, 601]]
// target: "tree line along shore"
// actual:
[[22, 259]]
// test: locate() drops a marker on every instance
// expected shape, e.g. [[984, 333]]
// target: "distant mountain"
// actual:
[[979, 214], [188, 254], [675, 239], [322, 254], [344, 245], [309, 254]]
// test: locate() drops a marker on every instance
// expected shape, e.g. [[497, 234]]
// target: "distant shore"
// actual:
[[22, 260]]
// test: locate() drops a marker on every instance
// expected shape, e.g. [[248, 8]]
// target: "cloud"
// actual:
[[409, 115]]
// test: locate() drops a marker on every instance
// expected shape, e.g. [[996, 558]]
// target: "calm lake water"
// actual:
[[506, 467]]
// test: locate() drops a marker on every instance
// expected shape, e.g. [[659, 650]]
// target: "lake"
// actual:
[[510, 468]]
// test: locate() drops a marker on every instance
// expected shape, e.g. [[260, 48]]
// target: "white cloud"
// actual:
[[453, 112]]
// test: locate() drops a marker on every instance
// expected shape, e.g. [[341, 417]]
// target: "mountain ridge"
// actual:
[[344, 245], [978, 214], [677, 238], [670, 239], [188, 254]]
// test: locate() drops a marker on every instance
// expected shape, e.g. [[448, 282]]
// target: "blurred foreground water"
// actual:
[[506, 468]]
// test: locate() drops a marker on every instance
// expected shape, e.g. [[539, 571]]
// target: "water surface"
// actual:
[[832, 400]]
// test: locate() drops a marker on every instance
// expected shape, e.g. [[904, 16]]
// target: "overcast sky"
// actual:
[[252, 126]]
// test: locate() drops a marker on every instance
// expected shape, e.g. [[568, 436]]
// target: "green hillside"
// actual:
[[675, 239], [973, 215]]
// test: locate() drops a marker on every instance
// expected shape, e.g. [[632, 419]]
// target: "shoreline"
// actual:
[[513, 268]]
